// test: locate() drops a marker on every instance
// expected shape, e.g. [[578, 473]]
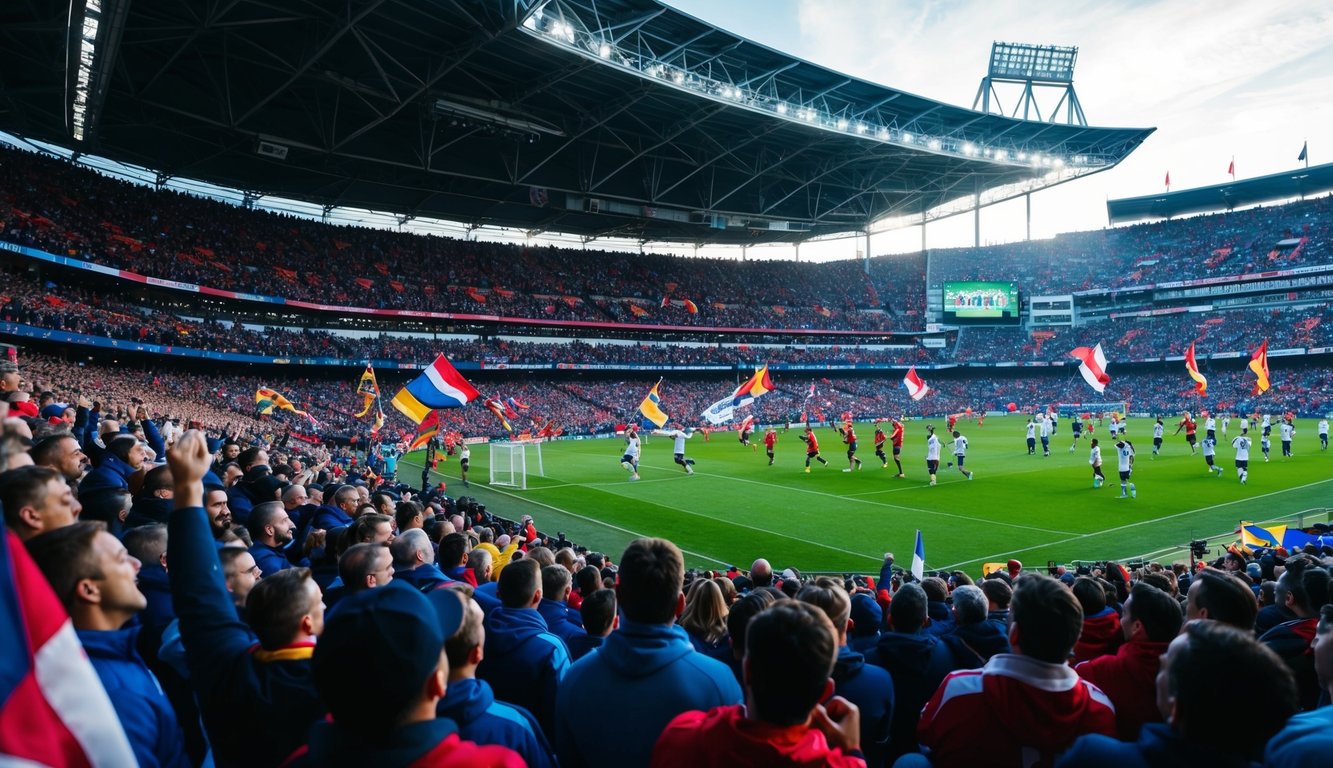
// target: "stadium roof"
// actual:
[[596, 117], [1301, 182]]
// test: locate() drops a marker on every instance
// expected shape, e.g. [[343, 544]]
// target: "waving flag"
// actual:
[[916, 386], [757, 385], [369, 389], [516, 404], [1254, 536], [1092, 364], [267, 399], [497, 407], [439, 386], [53, 709], [919, 557], [1192, 368], [1259, 364], [651, 407]]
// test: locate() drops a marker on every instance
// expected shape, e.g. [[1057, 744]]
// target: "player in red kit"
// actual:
[[896, 439], [849, 437], [811, 448], [880, 440], [770, 440]]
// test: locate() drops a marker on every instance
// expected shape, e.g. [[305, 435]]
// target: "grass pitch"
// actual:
[[736, 508]]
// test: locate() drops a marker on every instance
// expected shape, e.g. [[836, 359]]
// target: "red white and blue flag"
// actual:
[[53, 709], [439, 386], [1092, 364], [916, 386]]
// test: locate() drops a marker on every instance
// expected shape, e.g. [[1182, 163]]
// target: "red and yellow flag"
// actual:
[[1192, 368], [1259, 364]]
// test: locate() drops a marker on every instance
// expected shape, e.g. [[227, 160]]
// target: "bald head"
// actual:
[[761, 573]]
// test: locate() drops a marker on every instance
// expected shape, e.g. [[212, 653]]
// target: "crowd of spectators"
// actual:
[[245, 600], [69, 210]]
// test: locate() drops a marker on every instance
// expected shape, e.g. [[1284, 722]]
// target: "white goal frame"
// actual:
[[511, 461]]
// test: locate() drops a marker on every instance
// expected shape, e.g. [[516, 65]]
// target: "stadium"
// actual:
[[505, 272]]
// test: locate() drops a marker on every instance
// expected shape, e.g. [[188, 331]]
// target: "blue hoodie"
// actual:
[[113, 474], [655, 674], [557, 619], [918, 663], [480, 718], [870, 688], [1159, 746], [328, 517], [144, 711], [423, 578], [524, 663]]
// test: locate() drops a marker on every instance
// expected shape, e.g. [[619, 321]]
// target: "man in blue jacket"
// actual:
[[918, 662], [414, 561], [646, 672], [470, 703], [554, 606], [123, 457], [867, 686], [1307, 739], [524, 663], [339, 513], [271, 530], [257, 698], [94, 577]]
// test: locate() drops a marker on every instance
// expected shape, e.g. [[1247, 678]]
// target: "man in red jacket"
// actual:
[[1022, 708], [1152, 619], [790, 650], [1101, 633]]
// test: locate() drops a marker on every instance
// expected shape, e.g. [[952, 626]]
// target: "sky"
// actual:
[[1217, 78]]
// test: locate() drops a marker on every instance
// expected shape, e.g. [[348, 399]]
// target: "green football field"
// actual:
[[736, 508]]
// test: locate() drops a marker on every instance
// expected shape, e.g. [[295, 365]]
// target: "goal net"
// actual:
[[512, 461], [1097, 410]]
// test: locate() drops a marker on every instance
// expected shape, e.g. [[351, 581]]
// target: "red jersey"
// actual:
[[811, 442], [770, 438], [1016, 710], [897, 436], [1189, 425], [724, 737], [849, 436], [880, 437]]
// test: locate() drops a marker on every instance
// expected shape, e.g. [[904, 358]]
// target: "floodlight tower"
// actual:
[[1031, 66]]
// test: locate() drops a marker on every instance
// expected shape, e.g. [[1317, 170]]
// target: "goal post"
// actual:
[[511, 462], [1068, 410]]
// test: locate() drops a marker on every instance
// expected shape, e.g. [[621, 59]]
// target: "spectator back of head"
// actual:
[[908, 609], [519, 583], [1046, 619], [652, 572], [790, 650]]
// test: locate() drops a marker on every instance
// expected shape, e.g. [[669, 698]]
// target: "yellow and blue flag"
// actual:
[[1255, 536], [651, 407]]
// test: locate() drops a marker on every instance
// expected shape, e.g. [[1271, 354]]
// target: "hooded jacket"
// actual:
[[558, 622], [424, 577], [1129, 680], [982, 641], [1291, 640], [652, 674], [148, 510], [1015, 711], [428, 744], [112, 474], [1307, 740], [917, 663], [328, 517], [524, 663], [1101, 635], [480, 718], [870, 688], [724, 737], [144, 711], [1158, 746]]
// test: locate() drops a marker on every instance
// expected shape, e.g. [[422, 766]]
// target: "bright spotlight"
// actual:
[[860, 127], [934, 144], [782, 107], [906, 137], [604, 50], [842, 123]]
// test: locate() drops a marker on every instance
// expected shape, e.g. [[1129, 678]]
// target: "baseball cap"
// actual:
[[394, 636]]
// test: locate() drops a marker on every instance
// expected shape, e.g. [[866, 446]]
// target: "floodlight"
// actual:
[[1001, 154], [883, 134], [1058, 162], [1022, 157], [906, 137], [934, 144], [604, 51], [969, 148], [679, 77], [782, 107], [860, 127], [842, 123]]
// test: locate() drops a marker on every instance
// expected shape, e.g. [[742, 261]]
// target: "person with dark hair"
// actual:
[[1307, 738], [998, 594], [1303, 590], [867, 686], [363, 567], [241, 574], [1202, 724], [338, 510], [739, 616], [1152, 619], [937, 606], [790, 652], [524, 663], [452, 558], [257, 703], [94, 577], [866, 616], [385, 714], [152, 504], [648, 665], [408, 515], [917, 661], [271, 529], [62, 453], [471, 704], [561, 620], [1217, 595], [123, 457], [372, 528], [1025, 707], [36, 499], [1101, 633], [600, 619]]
